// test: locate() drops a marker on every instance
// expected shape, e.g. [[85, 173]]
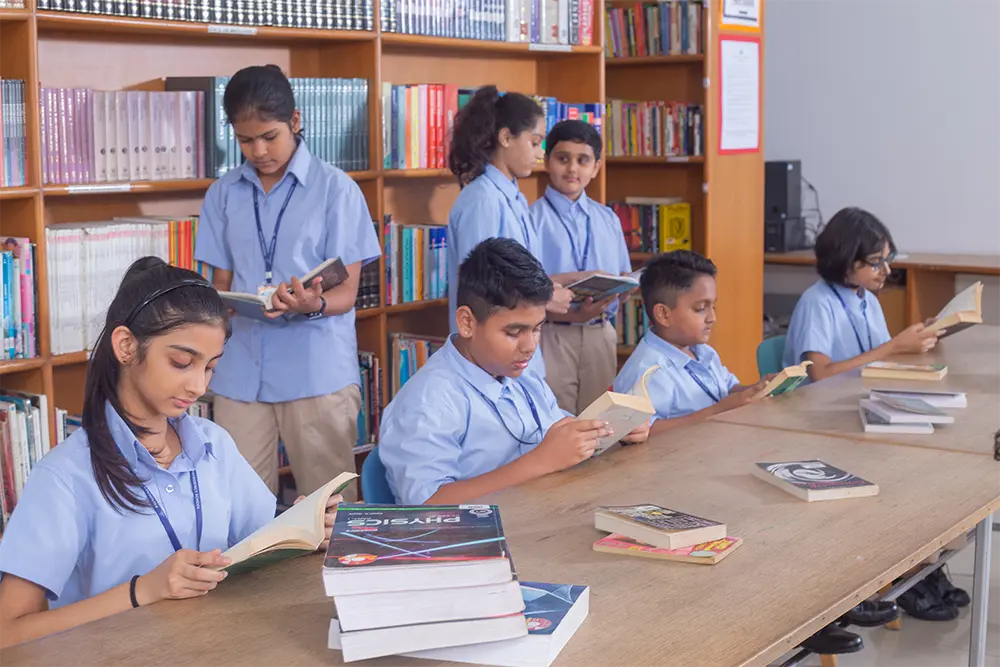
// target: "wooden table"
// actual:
[[801, 566], [930, 277]]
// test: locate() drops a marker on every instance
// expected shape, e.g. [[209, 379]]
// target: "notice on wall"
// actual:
[[743, 14], [739, 94]]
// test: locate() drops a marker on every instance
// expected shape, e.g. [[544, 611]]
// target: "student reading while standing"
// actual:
[[497, 139], [139, 503], [679, 294], [578, 235], [264, 224], [471, 421], [838, 322]]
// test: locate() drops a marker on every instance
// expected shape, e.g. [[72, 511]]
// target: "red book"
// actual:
[[587, 23], [450, 111]]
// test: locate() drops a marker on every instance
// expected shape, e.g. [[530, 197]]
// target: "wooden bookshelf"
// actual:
[[725, 191]]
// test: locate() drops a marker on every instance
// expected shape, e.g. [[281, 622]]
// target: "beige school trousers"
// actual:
[[580, 362], [319, 435]]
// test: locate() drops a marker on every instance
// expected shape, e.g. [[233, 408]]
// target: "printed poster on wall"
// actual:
[[739, 94], [740, 14]]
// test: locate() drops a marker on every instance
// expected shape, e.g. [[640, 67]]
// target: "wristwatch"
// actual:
[[319, 313]]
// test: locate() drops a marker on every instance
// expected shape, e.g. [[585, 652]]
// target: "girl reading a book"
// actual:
[[497, 139], [138, 505], [838, 322], [293, 377]]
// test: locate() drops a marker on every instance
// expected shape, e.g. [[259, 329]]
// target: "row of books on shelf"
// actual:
[[568, 22], [11, 4], [24, 440], [409, 354], [653, 29], [416, 262], [316, 14], [13, 133], [654, 129], [631, 322], [654, 224], [20, 299]]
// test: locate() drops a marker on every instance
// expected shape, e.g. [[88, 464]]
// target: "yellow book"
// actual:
[[891, 370], [675, 227], [623, 412], [964, 310]]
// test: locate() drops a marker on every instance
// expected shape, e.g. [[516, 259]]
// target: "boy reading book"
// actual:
[[472, 420], [578, 235], [678, 292]]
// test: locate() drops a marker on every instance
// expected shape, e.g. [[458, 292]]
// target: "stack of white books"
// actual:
[[908, 411]]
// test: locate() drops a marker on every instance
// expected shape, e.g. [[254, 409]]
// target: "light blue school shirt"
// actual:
[[672, 388], [562, 226], [327, 217], [491, 206], [443, 424], [66, 538], [820, 323]]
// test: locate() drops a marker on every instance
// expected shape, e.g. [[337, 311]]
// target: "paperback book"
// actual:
[[658, 526], [707, 553], [814, 480]]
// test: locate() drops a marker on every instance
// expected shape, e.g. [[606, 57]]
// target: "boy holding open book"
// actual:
[[474, 420], [679, 293]]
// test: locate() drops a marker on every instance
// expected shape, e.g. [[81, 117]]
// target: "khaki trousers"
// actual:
[[319, 434], [580, 362]]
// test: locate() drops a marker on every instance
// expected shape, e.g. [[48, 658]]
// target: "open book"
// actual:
[[785, 381], [600, 286], [332, 271], [964, 310], [624, 412], [298, 530]]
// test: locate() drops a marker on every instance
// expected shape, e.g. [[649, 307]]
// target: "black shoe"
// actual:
[[923, 602], [947, 591], [832, 640], [871, 614]]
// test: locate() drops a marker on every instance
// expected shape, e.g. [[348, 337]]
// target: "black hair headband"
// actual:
[[186, 282]]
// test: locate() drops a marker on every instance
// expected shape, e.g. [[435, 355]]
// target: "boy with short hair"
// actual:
[[472, 421], [578, 235], [679, 294]]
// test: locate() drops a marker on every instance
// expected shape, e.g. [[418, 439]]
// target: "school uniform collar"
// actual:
[[674, 355], [851, 294], [194, 442], [298, 168], [488, 385], [563, 204], [507, 186]]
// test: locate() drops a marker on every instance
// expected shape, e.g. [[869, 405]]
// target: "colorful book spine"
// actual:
[[20, 299], [13, 134], [415, 262], [653, 129], [409, 354], [527, 21], [653, 29], [655, 227], [631, 322]]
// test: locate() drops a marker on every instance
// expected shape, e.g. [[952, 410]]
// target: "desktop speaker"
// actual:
[[782, 189]]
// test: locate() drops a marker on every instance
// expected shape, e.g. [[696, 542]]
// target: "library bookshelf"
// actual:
[[725, 190], [58, 49]]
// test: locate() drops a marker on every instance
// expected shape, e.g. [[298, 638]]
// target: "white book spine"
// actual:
[[188, 127], [100, 138], [562, 28], [110, 136], [121, 128], [144, 153], [134, 101], [171, 143]]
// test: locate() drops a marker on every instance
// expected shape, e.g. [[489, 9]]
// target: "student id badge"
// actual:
[[265, 292]]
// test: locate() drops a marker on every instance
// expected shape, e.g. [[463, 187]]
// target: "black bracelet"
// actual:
[[131, 591]]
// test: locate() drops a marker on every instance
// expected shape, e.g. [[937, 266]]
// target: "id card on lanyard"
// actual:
[[268, 250], [698, 381], [579, 259]]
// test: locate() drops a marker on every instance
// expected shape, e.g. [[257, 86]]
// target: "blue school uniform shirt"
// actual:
[[841, 328], [491, 206], [443, 425], [66, 538], [326, 217], [580, 235], [673, 388]]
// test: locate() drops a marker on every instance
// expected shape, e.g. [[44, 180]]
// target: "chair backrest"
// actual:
[[374, 487], [769, 354]]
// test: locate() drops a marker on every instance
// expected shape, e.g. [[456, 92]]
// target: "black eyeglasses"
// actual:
[[881, 261]]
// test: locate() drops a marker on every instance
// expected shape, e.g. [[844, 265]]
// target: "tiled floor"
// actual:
[[925, 644]]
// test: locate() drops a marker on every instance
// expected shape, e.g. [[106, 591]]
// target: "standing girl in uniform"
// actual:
[[497, 139], [278, 216], [138, 504]]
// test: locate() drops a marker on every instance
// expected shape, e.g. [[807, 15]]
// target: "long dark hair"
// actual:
[[850, 236], [260, 91], [474, 138], [153, 299]]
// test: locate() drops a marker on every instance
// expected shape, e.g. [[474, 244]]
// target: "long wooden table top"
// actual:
[[831, 406], [927, 261], [801, 566]]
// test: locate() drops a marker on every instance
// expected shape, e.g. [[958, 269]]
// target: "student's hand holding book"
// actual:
[[561, 300], [328, 518], [639, 435], [186, 574], [568, 442], [296, 298], [915, 339]]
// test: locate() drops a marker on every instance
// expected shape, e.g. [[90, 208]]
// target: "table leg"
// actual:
[[981, 593]]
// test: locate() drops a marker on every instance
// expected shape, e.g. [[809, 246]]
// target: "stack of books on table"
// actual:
[[908, 411], [651, 531], [438, 582]]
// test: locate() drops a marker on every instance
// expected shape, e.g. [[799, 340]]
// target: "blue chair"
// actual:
[[769, 354], [374, 488]]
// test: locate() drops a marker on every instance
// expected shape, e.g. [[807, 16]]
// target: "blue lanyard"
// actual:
[[267, 250], [531, 406], [715, 397], [196, 491], [864, 313], [521, 218], [580, 260]]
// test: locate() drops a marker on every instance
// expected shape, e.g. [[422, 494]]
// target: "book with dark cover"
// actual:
[[813, 475], [366, 536], [660, 518]]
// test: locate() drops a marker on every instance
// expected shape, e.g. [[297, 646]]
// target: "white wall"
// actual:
[[892, 105]]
